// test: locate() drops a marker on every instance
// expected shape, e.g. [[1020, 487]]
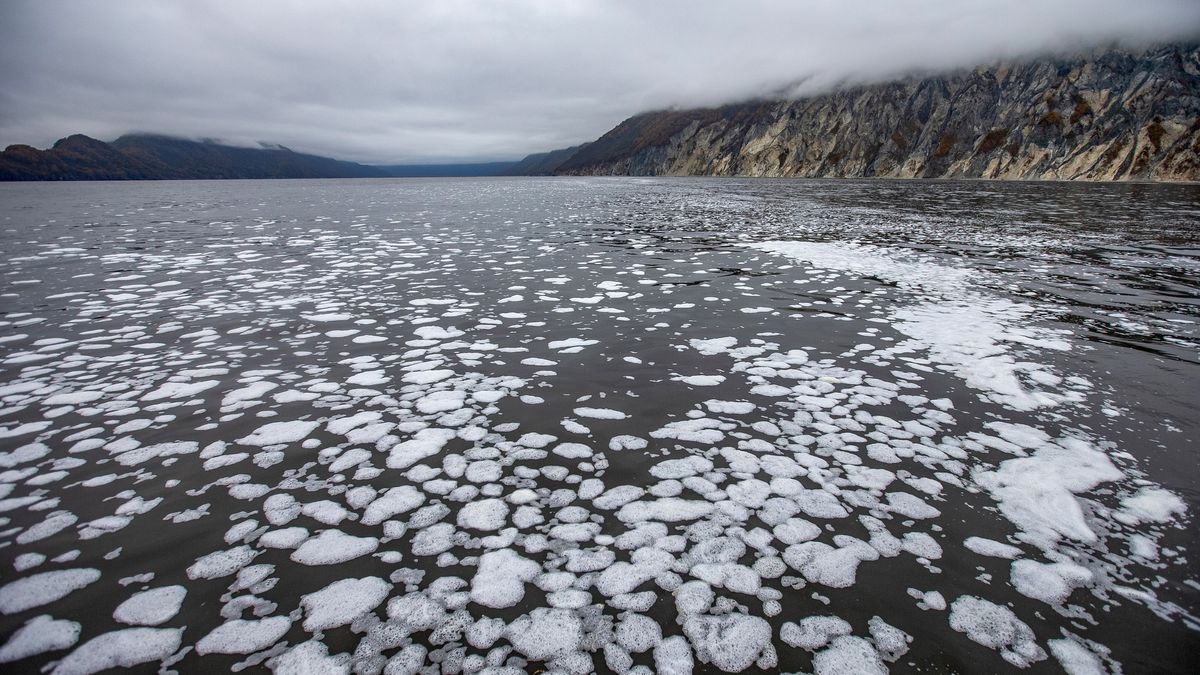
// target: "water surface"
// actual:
[[590, 424]]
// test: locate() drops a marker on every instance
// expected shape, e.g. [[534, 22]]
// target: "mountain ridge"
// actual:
[[159, 157], [148, 156], [1109, 115]]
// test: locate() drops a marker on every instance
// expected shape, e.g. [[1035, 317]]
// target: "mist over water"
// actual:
[[589, 423]]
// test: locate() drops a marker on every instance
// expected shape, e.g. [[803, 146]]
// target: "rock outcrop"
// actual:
[[1109, 115]]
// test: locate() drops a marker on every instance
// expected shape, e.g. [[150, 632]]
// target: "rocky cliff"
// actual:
[[1108, 115]]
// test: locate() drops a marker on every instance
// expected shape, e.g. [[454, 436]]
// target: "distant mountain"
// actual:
[[153, 157], [1111, 115], [157, 157], [203, 160], [543, 163], [450, 170], [75, 157]]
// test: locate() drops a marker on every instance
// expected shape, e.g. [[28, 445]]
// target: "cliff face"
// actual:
[[1112, 115]]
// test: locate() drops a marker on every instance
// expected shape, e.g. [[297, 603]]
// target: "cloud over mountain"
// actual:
[[388, 82]]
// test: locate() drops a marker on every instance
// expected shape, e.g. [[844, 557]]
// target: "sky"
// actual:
[[394, 81]]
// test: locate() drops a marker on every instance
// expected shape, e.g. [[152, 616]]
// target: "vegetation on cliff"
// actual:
[[1109, 115], [153, 157]]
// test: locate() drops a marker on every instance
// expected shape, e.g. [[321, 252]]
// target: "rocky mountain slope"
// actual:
[[152, 157], [543, 163], [1109, 115]]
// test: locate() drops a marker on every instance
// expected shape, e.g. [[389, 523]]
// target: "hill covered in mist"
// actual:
[[1109, 115]]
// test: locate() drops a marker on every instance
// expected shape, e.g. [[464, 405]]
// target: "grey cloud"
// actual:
[[388, 82]]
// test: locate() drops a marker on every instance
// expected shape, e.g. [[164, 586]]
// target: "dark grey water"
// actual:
[[599, 424]]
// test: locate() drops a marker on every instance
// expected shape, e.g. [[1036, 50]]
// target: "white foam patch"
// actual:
[[433, 540], [441, 401], [823, 564], [370, 378], [349, 459], [325, 511], [1037, 493], [713, 346], [673, 656], [310, 658], [1150, 505], [221, 563], [123, 648], [278, 433], [969, 337], [890, 642], [241, 636], [1075, 658], [627, 442], [427, 376], [437, 332], [395, 501], [288, 537], [39, 635], [928, 599], [343, 601], [701, 380], [638, 633], [618, 496], [729, 407], [813, 632], [601, 413], [73, 398], [996, 627], [24, 454], [44, 588], [151, 608], [546, 634], [332, 547], [732, 642], [848, 654], [500, 580], [483, 633], [486, 514], [572, 450], [667, 510], [730, 576], [179, 390], [250, 392], [425, 443], [1051, 583], [966, 330], [701, 431], [991, 548]]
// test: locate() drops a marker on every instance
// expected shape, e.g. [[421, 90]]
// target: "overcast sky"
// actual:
[[390, 81]]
